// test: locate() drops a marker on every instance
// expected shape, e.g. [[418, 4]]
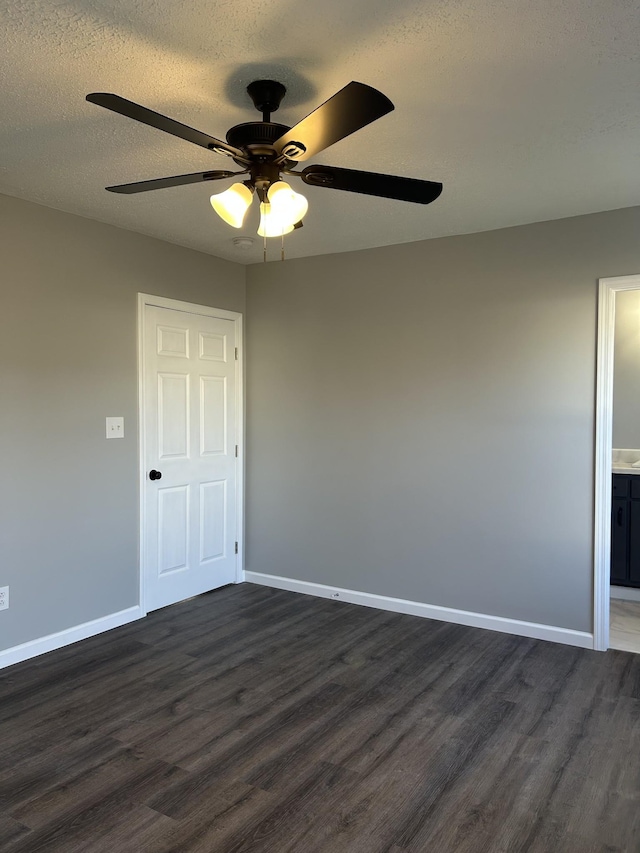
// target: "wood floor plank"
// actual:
[[125, 774], [112, 824], [252, 720], [32, 776], [11, 830], [216, 825]]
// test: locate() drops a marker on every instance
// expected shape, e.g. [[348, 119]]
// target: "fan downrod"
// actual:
[[266, 96]]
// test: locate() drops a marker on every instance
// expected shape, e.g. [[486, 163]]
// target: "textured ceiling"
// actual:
[[525, 111]]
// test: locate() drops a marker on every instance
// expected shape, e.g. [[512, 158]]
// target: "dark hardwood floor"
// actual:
[[251, 719]]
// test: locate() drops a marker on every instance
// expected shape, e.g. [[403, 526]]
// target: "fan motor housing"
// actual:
[[255, 133]]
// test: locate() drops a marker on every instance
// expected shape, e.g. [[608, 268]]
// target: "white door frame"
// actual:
[[608, 287], [145, 299]]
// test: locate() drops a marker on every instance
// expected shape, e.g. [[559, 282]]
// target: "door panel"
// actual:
[[173, 342], [173, 415], [212, 347], [213, 415], [173, 529], [189, 421], [213, 503]]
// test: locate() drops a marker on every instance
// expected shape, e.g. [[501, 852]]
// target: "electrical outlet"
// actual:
[[4, 597]]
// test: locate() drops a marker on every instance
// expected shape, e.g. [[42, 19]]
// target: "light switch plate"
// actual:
[[115, 427]]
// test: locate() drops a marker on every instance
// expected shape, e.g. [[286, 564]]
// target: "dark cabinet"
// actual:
[[634, 542], [625, 530], [620, 541]]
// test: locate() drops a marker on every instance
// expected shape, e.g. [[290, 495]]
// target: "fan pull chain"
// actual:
[[282, 249], [264, 249]]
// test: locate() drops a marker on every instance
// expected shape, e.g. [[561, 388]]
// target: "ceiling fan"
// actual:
[[266, 151]]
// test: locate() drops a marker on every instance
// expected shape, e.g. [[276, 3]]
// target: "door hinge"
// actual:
[[236, 547], [236, 353], [236, 449]]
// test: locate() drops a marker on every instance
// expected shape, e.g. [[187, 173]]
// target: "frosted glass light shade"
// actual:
[[290, 206], [232, 204], [272, 224]]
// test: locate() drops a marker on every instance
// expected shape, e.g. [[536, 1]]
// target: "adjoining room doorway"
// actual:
[[616, 622]]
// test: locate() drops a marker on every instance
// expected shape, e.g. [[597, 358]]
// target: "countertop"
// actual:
[[622, 458]]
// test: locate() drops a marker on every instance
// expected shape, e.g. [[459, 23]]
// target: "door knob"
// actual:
[[155, 475]]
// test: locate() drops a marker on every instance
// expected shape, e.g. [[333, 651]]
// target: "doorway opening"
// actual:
[[616, 614]]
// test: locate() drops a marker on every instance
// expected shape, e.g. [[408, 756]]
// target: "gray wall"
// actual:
[[421, 417], [626, 371], [69, 507]]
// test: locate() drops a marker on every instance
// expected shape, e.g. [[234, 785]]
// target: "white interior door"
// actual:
[[190, 385]]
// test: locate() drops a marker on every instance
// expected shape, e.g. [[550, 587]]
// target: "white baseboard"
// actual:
[[625, 593], [429, 611], [33, 648]]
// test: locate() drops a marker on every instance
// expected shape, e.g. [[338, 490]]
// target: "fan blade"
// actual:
[[169, 125], [371, 183], [174, 181], [353, 107]]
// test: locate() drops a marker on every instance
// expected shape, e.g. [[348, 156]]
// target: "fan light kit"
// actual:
[[266, 151]]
